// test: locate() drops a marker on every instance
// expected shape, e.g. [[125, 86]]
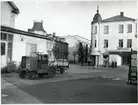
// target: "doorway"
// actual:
[[3, 53]]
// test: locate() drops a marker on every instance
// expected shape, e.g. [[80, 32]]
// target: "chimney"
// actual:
[[54, 34], [37, 26], [121, 14]]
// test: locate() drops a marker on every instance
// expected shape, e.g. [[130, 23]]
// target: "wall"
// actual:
[[115, 57], [114, 36], [7, 17], [73, 41], [19, 47]]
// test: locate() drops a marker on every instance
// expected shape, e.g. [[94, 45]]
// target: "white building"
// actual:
[[17, 43], [8, 13], [73, 41], [113, 38]]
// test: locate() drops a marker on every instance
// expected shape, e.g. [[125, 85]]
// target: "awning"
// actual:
[[95, 53], [106, 53], [121, 50]]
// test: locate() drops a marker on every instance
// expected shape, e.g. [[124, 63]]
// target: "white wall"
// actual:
[[73, 41], [7, 17], [116, 58], [19, 47], [114, 36]]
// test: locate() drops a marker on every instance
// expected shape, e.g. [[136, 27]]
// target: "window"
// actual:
[[106, 29], [3, 36], [121, 29], [3, 48], [105, 43], [95, 29], [10, 51], [10, 37], [120, 42], [95, 42], [30, 48], [129, 28], [129, 43]]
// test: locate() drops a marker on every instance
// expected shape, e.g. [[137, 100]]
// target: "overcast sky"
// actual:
[[69, 17]]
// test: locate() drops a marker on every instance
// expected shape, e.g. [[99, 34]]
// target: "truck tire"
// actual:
[[51, 72], [32, 75], [22, 74]]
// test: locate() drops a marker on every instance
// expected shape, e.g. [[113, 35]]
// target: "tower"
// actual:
[[95, 34]]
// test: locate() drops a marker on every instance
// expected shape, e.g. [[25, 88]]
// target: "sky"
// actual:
[[69, 17]]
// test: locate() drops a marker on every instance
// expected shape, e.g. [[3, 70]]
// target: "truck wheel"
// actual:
[[51, 73], [32, 75], [22, 74]]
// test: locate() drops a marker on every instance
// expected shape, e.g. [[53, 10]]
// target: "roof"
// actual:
[[16, 31], [97, 18], [118, 18], [15, 8]]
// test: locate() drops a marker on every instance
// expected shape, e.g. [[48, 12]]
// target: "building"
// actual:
[[9, 11], [17, 43], [75, 42], [112, 39]]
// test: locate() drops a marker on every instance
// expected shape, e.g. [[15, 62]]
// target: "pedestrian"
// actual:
[[115, 63], [112, 64]]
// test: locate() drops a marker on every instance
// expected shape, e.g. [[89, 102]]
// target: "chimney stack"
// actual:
[[54, 34], [121, 14]]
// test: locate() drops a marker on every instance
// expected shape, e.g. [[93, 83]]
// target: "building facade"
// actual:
[[17, 43], [112, 39], [75, 42], [9, 11]]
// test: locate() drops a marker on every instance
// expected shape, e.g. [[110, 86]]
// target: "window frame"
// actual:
[[106, 43], [121, 29], [129, 28], [120, 40], [106, 29], [129, 43], [95, 31], [3, 51], [95, 43]]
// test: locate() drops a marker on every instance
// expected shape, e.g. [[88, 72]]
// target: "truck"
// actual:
[[39, 66]]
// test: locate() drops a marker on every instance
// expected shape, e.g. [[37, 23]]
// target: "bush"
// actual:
[[9, 68]]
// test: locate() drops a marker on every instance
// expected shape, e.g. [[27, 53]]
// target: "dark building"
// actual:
[[61, 48]]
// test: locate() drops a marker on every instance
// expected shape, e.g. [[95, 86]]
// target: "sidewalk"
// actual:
[[10, 94]]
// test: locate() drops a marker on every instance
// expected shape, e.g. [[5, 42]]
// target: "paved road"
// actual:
[[95, 90], [103, 85]]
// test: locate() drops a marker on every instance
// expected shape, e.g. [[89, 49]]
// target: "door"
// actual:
[[3, 53], [30, 49]]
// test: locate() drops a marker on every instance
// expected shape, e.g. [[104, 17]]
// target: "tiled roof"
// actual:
[[118, 18]]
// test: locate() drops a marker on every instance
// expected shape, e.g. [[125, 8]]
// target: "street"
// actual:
[[80, 86]]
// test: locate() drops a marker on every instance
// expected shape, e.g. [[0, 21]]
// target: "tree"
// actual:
[[56, 51], [74, 53]]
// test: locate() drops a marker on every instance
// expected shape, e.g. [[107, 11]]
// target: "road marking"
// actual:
[[4, 95], [116, 79]]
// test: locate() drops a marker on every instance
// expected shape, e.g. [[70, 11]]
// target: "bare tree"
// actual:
[[74, 53]]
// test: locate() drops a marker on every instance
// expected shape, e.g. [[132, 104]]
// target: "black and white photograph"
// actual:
[[69, 52]]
